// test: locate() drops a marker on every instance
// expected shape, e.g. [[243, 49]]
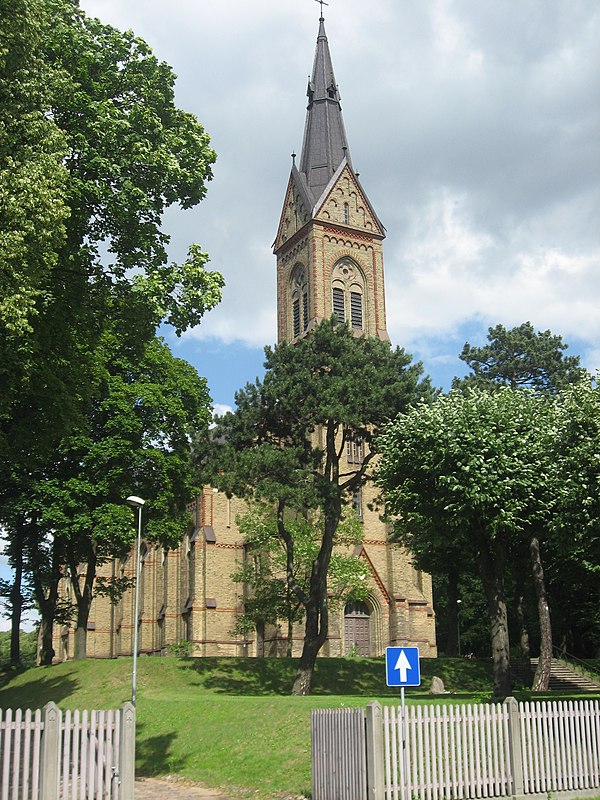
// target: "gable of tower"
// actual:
[[295, 214], [345, 203]]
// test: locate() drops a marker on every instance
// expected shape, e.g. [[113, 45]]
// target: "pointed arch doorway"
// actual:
[[357, 629]]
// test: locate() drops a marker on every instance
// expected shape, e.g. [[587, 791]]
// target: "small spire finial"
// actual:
[[323, 3], [294, 158]]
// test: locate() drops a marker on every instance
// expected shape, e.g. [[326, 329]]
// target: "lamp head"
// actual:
[[134, 501]]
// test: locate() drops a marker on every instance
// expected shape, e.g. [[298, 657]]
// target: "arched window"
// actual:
[[346, 214], [347, 293], [299, 296]]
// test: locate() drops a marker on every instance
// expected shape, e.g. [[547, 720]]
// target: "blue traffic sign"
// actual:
[[402, 666]]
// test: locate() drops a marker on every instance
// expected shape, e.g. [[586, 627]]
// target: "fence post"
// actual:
[[374, 733], [514, 746], [127, 752], [50, 753]]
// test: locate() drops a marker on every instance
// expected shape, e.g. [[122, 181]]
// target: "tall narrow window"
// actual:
[[346, 214], [299, 301], [356, 315], [339, 305], [357, 504]]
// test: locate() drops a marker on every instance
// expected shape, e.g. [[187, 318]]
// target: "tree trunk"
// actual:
[[80, 639], [491, 566], [525, 657], [523, 632], [16, 599], [83, 597], [46, 577], [317, 612], [541, 679], [313, 641], [46, 655], [452, 648]]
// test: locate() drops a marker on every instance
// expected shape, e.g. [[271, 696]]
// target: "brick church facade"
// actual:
[[329, 261]]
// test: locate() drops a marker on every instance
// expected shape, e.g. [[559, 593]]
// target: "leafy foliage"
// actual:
[[264, 570], [469, 476], [92, 151]]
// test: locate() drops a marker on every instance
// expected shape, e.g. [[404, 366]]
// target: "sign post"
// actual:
[[402, 668]]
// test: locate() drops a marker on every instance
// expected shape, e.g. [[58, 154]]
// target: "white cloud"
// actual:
[[475, 127], [219, 409]]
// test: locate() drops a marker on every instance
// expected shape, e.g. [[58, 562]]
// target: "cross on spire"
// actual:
[[323, 3]]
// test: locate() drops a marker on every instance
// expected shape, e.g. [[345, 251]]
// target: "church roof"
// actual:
[[325, 145]]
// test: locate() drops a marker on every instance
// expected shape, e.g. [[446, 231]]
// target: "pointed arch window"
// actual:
[[339, 303], [348, 293], [299, 298], [346, 214], [356, 312]]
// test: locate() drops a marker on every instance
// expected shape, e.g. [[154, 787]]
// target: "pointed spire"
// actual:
[[325, 145]]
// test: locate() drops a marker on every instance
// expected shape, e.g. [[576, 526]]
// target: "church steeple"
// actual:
[[328, 244], [325, 145]]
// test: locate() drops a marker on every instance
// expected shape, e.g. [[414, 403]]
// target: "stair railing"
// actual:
[[580, 666]]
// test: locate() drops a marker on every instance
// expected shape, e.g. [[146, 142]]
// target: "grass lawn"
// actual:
[[230, 723]]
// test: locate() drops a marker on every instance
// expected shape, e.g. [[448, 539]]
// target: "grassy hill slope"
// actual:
[[230, 723]]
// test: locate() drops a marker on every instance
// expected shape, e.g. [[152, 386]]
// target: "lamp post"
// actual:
[[136, 502], [458, 602]]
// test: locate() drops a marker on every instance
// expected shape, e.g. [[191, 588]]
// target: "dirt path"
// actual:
[[173, 789]]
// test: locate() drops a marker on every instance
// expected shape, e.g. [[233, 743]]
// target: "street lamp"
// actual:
[[458, 602], [136, 502]]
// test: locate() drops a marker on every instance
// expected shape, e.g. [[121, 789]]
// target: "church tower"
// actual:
[[329, 241]]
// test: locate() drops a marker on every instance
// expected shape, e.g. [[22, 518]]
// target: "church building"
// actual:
[[329, 261]]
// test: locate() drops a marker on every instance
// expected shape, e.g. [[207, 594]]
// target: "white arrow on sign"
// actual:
[[402, 665]]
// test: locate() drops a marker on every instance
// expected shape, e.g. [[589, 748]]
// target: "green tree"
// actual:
[[575, 564], [93, 150], [96, 110], [473, 467], [286, 441], [32, 175], [136, 440], [520, 358], [265, 569]]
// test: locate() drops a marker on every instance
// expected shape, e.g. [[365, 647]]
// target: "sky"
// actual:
[[475, 127]]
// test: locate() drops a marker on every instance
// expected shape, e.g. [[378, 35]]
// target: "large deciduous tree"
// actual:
[[92, 151], [137, 435], [471, 473], [286, 444], [575, 563], [523, 358]]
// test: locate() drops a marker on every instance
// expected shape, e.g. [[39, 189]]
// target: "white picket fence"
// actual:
[[73, 755], [460, 752], [451, 751], [560, 744]]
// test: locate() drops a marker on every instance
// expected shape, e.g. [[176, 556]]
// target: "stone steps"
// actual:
[[565, 678]]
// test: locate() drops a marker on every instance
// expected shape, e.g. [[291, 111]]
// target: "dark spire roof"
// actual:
[[325, 145]]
